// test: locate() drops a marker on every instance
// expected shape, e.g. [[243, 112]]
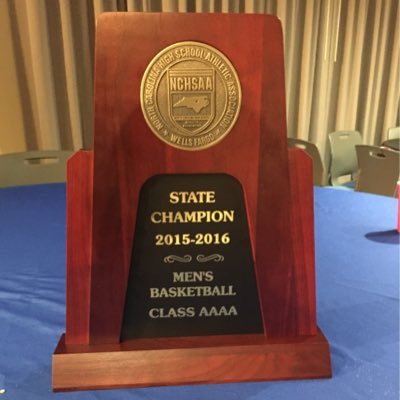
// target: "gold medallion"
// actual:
[[190, 95]]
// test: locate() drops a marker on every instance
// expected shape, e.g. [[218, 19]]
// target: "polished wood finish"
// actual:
[[103, 192], [79, 235], [254, 152], [180, 361], [302, 217]]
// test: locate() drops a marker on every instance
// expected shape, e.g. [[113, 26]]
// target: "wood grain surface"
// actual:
[[127, 153], [79, 240], [178, 361], [302, 211], [102, 198]]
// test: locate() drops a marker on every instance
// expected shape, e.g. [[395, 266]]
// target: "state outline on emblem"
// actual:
[[199, 103]]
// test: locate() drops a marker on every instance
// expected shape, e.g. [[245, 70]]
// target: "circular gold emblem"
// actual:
[[190, 95]]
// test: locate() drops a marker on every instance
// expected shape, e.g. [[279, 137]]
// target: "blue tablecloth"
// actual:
[[357, 251]]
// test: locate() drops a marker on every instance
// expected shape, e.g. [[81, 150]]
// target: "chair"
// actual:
[[394, 133], [33, 167], [379, 170], [343, 166], [312, 150]]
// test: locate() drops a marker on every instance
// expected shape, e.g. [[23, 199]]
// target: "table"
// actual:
[[357, 251], [393, 144]]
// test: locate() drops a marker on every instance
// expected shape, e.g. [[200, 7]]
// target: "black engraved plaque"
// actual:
[[192, 269]]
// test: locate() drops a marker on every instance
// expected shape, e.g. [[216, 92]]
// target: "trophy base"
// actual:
[[189, 360]]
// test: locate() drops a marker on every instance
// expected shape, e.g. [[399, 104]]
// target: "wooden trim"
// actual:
[[79, 232], [196, 360]]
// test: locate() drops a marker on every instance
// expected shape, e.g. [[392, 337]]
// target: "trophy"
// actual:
[[190, 232]]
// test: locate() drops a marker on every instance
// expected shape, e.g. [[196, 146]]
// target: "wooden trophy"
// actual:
[[190, 243]]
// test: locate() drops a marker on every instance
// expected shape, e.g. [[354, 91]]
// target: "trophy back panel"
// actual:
[[127, 153]]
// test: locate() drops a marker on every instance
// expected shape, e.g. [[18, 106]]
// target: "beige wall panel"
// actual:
[[38, 62], [12, 133], [71, 76], [307, 72], [391, 117], [350, 71]]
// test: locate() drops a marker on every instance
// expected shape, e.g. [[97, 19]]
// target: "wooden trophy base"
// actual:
[[189, 360]]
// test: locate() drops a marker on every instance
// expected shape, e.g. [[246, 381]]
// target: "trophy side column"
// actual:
[[302, 218], [79, 244], [284, 267]]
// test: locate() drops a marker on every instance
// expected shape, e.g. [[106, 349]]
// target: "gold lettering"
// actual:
[[184, 217], [180, 312], [191, 83], [154, 217], [200, 196], [192, 291], [218, 312], [193, 276], [173, 197]]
